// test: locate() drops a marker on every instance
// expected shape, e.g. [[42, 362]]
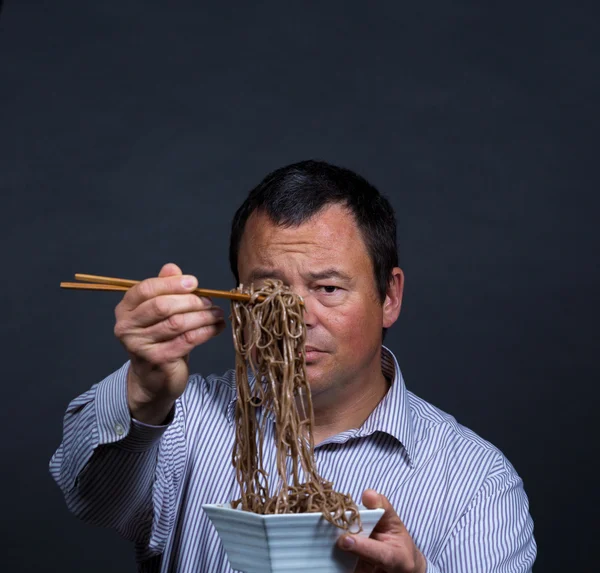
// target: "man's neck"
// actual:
[[335, 414]]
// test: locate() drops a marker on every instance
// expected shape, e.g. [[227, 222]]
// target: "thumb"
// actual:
[[371, 499], [389, 522], [169, 270]]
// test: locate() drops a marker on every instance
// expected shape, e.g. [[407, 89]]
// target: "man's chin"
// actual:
[[318, 378]]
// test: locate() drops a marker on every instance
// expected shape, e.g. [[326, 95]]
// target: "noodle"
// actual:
[[269, 337]]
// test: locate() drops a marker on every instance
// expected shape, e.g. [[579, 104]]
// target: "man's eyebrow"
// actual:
[[263, 273], [329, 274]]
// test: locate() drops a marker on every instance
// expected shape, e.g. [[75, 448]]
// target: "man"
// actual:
[[146, 447]]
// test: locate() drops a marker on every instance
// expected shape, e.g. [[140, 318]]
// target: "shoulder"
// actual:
[[464, 452]]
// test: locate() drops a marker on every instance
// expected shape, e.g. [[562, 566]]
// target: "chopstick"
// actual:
[[116, 284]]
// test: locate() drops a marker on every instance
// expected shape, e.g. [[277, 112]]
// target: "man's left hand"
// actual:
[[390, 549]]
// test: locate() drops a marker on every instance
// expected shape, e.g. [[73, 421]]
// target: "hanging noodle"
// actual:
[[269, 337]]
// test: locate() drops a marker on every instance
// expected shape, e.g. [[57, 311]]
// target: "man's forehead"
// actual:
[[328, 241], [334, 221]]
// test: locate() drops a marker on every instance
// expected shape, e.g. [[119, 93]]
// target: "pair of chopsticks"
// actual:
[[94, 282]]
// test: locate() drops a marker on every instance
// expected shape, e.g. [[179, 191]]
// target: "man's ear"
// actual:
[[393, 297]]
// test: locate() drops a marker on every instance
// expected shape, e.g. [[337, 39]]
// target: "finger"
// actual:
[[373, 553], [162, 307], [170, 269], [153, 287], [178, 324], [390, 522], [182, 345]]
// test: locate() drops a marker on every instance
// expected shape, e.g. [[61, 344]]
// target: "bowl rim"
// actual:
[[226, 507]]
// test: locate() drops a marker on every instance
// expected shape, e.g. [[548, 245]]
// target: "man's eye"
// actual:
[[329, 289]]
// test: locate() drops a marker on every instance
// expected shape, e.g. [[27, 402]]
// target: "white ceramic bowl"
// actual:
[[290, 543]]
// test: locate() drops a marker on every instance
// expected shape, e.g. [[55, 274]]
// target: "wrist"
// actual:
[[152, 413], [144, 406]]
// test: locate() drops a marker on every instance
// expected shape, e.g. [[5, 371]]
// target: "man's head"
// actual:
[[331, 236]]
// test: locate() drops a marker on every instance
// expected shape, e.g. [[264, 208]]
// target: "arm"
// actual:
[[495, 533], [122, 472], [117, 472]]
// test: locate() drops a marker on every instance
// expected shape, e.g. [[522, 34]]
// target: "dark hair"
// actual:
[[291, 195]]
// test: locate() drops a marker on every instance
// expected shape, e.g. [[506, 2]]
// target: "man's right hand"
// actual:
[[159, 321]]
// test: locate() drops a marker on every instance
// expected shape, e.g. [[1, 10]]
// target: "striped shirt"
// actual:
[[459, 497]]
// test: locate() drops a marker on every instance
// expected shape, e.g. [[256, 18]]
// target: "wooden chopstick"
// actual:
[[84, 286], [116, 284]]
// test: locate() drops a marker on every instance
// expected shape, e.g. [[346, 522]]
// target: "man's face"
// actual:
[[326, 262]]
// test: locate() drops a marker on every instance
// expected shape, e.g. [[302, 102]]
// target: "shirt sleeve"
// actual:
[[117, 472], [495, 533]]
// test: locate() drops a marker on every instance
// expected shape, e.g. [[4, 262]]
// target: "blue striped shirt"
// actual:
[[459, 497]]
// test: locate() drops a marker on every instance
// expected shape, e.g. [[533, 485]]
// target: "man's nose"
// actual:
[[310, 318]]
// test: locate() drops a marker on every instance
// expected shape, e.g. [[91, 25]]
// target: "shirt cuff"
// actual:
[[141, 437], [115, 424], [431, 568]]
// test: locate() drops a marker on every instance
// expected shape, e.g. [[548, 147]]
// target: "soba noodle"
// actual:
[[269, 338]]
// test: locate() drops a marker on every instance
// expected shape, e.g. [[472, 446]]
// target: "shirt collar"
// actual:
[[391, 416]]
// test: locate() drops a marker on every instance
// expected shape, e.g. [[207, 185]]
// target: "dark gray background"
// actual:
[[130, 131]]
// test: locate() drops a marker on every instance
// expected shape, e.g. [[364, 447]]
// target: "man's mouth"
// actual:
[[312, 353]]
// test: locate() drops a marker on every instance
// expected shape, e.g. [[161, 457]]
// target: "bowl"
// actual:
[[290, 543]]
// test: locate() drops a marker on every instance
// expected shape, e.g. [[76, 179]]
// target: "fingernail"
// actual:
[[217, 311], [188, 282], [206, 301], [347, 542]]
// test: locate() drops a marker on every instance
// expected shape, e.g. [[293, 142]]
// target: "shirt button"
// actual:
[[119, 429]]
